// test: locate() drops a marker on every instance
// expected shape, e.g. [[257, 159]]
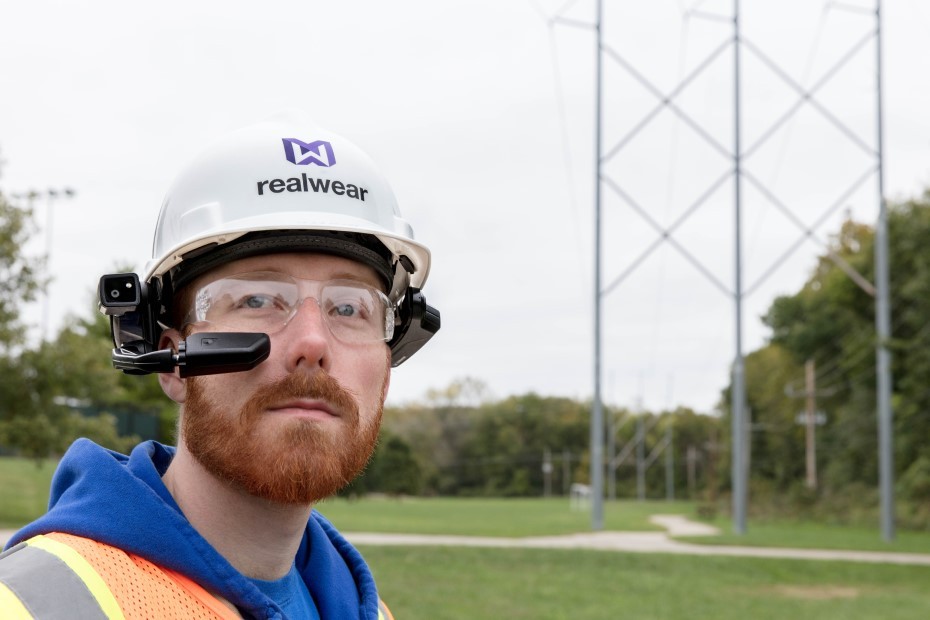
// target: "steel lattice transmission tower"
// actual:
[[737, 43]]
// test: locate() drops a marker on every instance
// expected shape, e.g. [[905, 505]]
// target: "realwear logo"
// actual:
[[300, 153], [319, 153], [303, 183]]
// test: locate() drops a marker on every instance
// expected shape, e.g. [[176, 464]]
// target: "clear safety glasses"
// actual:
[[266, 301]]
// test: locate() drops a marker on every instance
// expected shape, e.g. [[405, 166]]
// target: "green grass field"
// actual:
[[813, 535], [469, 583], [455, 583], [23, 490], [489, 516], [438, 583]]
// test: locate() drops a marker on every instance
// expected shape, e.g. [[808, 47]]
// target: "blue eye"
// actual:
[[256, 301], [347, 310]]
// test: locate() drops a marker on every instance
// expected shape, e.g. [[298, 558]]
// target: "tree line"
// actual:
[[823, 343], [460, 441], [532, 445]]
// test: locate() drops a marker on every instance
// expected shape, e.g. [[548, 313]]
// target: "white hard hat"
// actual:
[[284, 184]]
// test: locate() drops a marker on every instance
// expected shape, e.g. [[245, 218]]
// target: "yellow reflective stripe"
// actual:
[[82, 568], [383, 612], [11, 606]]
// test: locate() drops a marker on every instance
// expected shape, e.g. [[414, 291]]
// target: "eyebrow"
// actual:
[[375, 283], [345, 275]]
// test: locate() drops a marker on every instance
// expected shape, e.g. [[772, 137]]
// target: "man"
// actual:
[[281, 234]]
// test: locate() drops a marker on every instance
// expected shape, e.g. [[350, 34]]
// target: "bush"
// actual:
[[42, 435]]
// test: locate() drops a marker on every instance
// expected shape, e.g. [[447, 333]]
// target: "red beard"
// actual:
[[293, 461]]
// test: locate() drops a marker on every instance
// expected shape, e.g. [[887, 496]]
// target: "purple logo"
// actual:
[[300, 153]]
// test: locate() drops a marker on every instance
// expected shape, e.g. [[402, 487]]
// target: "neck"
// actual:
[[259, 538]]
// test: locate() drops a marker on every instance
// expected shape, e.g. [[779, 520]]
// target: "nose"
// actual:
[[306, 338]]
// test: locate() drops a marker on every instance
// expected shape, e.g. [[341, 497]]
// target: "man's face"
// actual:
[[303, 423]]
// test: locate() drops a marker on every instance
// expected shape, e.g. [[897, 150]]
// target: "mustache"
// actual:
[[317, 386]]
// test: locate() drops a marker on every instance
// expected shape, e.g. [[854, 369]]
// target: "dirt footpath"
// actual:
[[643, 542]]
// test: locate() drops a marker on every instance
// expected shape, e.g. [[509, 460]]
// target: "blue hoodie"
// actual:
[[121, 501]]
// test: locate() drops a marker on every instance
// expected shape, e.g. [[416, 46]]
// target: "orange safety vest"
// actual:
[[65, 576]]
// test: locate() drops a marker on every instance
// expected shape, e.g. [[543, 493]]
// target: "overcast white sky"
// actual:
[[481, 116]]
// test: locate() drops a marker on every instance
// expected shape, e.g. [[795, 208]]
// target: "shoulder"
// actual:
[[60, 575], [50, 574]]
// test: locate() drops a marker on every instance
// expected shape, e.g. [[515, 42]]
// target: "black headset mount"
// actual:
[[134, 307]]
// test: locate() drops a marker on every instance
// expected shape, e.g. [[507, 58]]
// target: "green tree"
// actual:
[[398, 471], [695, 438], [778, 442], [19, 274], [19, 283], [87, 373], [909, 230], [392, 470], [830, 320], [47, 390], [437, 429], [504, 454], [42, 413]]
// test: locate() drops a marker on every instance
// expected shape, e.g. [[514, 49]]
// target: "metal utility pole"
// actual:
[[49, 219], [691, 461], [738, 422], [51, 195], [640, 459], [669, 465], [614, 458], [547, 472], [612, 428], [883, 315], [597, 412], [566, 472], [810, 422]]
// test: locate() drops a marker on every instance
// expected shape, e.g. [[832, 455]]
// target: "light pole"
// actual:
[[51, 195]]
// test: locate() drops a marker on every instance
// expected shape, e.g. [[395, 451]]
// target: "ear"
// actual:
[[171, 382]]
